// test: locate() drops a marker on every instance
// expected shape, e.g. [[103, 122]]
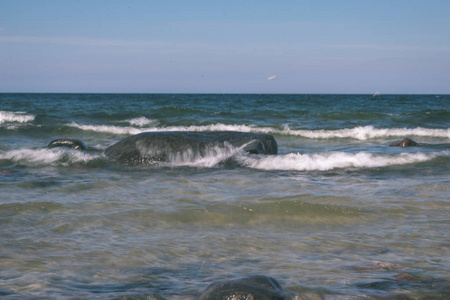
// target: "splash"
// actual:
[[209, 158]]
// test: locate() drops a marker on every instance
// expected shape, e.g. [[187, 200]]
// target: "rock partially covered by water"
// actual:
[[153, 147], [67, 143], [406, 142], [255, 287]]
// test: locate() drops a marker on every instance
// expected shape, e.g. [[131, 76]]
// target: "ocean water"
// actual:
[[336, 214]]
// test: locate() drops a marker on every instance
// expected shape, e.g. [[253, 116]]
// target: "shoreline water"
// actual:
[[337, 214]]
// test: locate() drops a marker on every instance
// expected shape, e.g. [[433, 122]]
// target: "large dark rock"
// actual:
[[67, 143], [153, 147], [406, 142], [255, 287]]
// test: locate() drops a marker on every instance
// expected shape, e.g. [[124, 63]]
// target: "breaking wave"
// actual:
[[52, 157], [293, 161], [330, 160], [108, 129], [235, 157], [134, 130], [359, 132], [15, 117], [141, 121], [218, 155], [367, 132]]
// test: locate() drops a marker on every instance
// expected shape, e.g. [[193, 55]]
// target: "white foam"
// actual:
[[37, 157], [141, 121], [15, 117], [366, 132], [360, 132], [210, 157], [107, 128], [134, 130], [330, 160]]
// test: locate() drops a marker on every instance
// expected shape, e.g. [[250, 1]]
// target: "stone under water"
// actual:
[[256, 287]]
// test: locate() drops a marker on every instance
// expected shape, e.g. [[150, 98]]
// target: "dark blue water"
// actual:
[[336, 214]]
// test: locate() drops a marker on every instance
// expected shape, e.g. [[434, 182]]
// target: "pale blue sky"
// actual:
[[225, 46]]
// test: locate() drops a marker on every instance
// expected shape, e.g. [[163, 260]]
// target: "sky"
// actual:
[[244, 46]]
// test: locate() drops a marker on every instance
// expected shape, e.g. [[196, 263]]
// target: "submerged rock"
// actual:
[[153, 147], [255, 287], [406, 142], [67, 143]]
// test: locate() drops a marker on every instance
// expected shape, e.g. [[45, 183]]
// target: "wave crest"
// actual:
[[39, 157], [141, 121], [133, 130], [108, 128], [217, 155], [330, 160], [15, 117], [359, 132], [366, 132]]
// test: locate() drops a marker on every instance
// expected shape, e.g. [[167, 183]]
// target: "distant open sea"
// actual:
[[336, 214]]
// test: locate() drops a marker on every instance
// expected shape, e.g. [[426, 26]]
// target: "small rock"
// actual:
[[407, 277], [255, 287], [67, 143], [406, 142]]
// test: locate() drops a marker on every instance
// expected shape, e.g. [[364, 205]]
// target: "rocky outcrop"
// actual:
[[154, 147]]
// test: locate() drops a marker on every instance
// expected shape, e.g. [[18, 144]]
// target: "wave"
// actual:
[[330, 161], [232, 156], [15, 117], [133, 130], [359, 132], [367, 132], [235, 157], [45, 157], [108, 129], [141, 121]]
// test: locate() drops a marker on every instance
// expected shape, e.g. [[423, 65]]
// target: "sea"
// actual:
[[337, 214]]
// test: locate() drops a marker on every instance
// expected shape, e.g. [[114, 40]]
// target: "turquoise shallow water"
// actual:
[[337, 214]]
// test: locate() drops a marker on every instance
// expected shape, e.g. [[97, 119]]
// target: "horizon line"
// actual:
[[376, 94]]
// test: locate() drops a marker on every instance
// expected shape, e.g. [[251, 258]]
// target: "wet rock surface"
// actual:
[[154, 147], [67, 143], [255, 287], [406, 142]]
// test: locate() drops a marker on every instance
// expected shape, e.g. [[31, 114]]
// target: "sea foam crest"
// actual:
[[108, 128], [15, 116], [37, 157], [141, 121], [359, 132], [366, 132], [330, 160], [133, 130]]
